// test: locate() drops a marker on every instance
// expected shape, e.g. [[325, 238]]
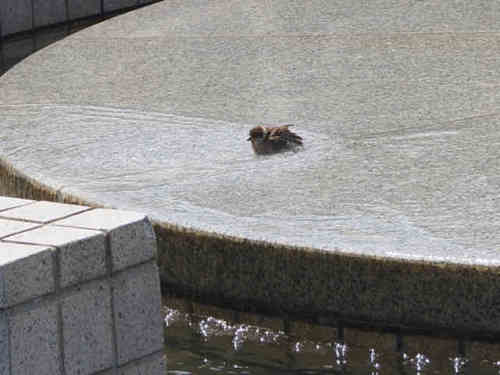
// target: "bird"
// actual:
[[271, 140]]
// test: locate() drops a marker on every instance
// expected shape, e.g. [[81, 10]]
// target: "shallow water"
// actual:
[[389, 194], [204, 342]]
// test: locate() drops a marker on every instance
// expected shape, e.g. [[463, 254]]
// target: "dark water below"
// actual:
[[205, 340]]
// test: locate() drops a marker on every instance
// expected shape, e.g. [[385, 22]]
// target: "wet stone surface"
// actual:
[[397, 105]]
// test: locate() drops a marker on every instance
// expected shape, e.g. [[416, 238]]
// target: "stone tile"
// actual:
[[87, 329], [111, 5], [34, 341], [83, 8], [102, 219], [10, 227], [26, 271], [43, 212], [138, 313], [131, 244], [4, 344], [153, 365], [8, 202], [132, 236], [16, 16], [82, 252], [49, 12]]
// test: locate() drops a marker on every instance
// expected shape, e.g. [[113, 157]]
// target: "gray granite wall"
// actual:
[[79, 291], [25, 15]]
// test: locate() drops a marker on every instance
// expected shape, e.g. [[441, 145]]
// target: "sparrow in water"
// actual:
[[273, 139]]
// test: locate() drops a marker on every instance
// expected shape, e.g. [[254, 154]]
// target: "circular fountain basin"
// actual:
[[397, 104]]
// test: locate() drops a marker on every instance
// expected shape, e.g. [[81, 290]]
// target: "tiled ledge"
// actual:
[[79, 291]]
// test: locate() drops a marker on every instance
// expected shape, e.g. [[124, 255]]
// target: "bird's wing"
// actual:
[[279, 131], [282, 134]]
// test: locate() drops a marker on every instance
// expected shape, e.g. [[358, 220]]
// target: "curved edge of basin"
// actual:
[[16, 183], [332, 288]]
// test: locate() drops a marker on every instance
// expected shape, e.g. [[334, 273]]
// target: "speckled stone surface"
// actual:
[[42, 212], [137, 307], [390, 213], [4, 344], [87, 329], [35, 347], [81, 253], [8, 202], [27, 271], [64, 309], [131, 234], [8, 227]]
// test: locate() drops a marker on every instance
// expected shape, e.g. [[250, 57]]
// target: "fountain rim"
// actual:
[[288, 301], [231, 272]]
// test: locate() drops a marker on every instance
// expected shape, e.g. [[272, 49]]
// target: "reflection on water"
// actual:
[[204, 340], [15, 48]]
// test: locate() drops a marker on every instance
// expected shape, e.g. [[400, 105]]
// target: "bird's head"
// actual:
[[257, 133]]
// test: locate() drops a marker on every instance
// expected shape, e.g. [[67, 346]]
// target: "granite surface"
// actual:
[[397, 104], [64, 308]]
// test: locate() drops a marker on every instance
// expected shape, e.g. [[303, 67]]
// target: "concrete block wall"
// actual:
[[25, 15], [79, 291]]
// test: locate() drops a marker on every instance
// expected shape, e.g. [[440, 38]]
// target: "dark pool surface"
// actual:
[[206, 340]]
